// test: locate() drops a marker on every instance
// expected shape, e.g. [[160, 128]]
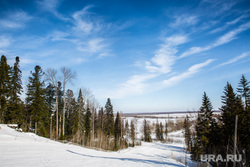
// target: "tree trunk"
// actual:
[[56, 115]]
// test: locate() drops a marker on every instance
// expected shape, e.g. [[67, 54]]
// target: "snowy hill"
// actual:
[[27, 149]]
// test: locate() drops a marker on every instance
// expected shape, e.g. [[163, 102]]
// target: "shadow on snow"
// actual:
[[128, 159]]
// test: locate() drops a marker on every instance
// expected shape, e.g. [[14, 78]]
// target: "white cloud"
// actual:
[[226, 38], [51, 6], [235, 59], [184, 20], [16, 19], [165, 57], [231, 35], [227, 24], [5, 41], [134, 86], [86, 21], [190, 72], [160, 64]]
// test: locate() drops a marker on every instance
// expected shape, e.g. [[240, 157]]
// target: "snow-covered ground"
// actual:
[[27, 149]]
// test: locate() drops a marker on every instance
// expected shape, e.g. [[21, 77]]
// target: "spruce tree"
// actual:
[[36, 102], [109, 124], [15, 107], [117, 130], [5, 85], [244, 90], [161, 132], [132, 132], [187, 132], [87, 126]]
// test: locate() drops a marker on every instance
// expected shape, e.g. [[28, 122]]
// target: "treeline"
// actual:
[[52, 111], [215, 135]]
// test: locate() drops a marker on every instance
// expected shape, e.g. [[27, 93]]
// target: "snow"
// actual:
[[27, 149]]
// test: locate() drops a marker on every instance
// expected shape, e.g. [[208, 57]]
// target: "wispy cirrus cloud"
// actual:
[[15, 19], [5, 41], [159, 65], [235, 59], [187, 74], [52, 7], [184, 20], [227, 24], [226, 38], [165, 57]]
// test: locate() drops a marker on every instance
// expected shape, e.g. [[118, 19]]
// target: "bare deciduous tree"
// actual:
[[51, 76], [68, 75]]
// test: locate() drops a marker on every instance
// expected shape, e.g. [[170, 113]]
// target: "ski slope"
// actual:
[[29, 150]]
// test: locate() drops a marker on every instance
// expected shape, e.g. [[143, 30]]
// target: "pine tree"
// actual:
[[36, 101], [5, 84], [146, 131], [244, 90], [205, 122], [161, 132], [109, 124], [166, 129], [157, 131], [15, 108], [187, 132], [117, 130], [87, 126], [230, 108], [132, 132]]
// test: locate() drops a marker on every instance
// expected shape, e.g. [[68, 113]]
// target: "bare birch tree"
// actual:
[[53, 79], [68, 75]]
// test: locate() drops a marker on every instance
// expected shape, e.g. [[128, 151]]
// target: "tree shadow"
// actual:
[[129, 159]]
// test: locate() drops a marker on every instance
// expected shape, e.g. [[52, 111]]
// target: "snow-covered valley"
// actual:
[[27, 149]]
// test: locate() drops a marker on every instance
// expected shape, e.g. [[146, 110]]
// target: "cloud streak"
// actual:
[[235, 59], [190, 72], [16, 19], [226, 38]]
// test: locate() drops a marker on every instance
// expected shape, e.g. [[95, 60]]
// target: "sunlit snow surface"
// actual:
[[27, 149]]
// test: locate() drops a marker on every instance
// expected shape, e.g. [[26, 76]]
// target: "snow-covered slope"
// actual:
[[27, 149]]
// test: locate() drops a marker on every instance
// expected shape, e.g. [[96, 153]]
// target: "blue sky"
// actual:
[[145, 55]]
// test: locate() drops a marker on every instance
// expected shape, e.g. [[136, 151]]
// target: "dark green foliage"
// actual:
[[15, 114], [166, 129], [109, 122], [159, 131], [132, 132], [187, 132], [87, 126], [244, 90], [146, 131], [5, 85], [36, 100], [117, 130]]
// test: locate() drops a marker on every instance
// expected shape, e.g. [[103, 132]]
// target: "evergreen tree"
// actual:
[[5, 84], [117, 130], [50, 97], [187, 132], [36, 102], [132, 132], [109, 124], [15, 108], [87, 126], [230, 108], [157, 131], [161, 132], [146, 131], [166, 129], [244, 90]]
